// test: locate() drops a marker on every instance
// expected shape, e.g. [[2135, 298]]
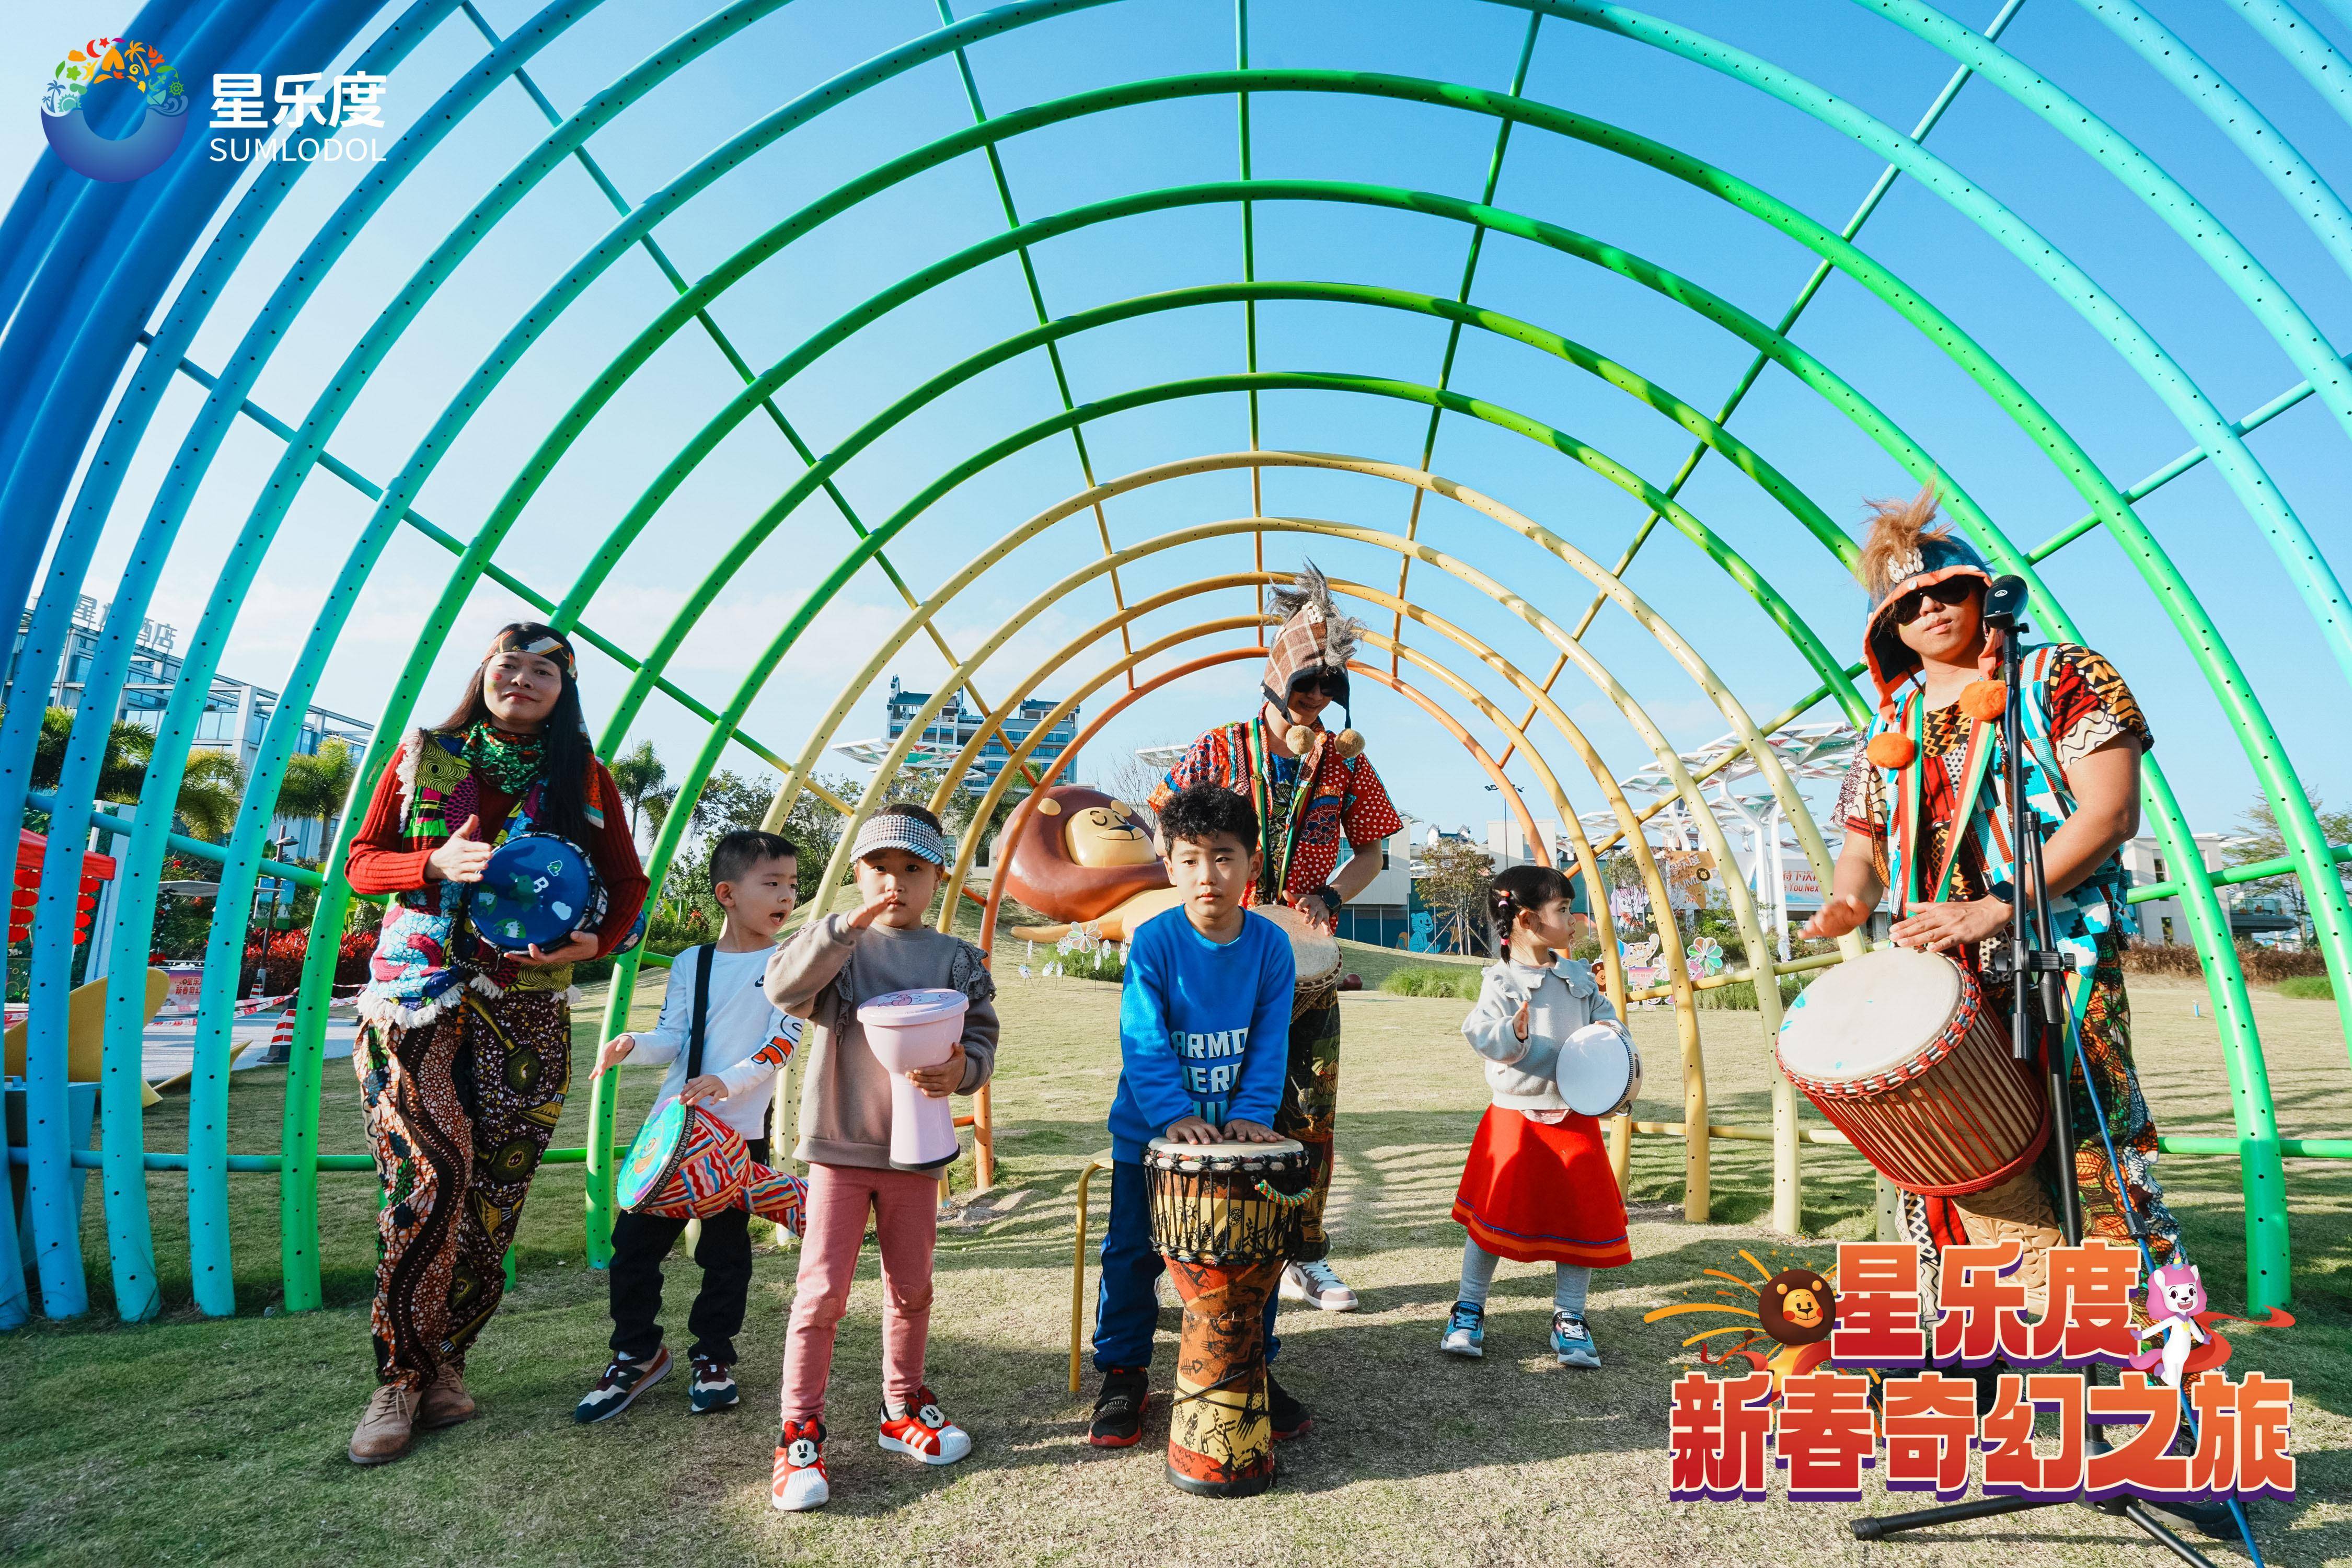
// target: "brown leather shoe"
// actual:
[[385, 1429], [446, 1401]]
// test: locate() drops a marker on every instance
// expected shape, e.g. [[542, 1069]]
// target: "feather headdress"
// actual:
[[1316, 642]]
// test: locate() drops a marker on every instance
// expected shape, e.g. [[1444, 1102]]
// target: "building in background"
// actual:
[[954, 725], [236, 714], [2257, 913]]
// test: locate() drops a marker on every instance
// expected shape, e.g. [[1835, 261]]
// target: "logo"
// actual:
[[163, 116]]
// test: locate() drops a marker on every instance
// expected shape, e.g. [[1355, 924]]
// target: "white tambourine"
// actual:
[[1600, 1071]]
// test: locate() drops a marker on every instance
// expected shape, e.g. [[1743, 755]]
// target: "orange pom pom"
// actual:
[[1890, 750], [1984, 700]]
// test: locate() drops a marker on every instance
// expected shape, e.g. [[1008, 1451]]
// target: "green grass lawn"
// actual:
[[195, 1441]]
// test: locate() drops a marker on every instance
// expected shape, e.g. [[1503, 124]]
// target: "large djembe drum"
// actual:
[[1899, 1051], [1314, 954], [1224, 1216]]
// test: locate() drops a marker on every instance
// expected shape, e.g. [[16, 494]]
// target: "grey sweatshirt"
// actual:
[[823, 974], [1561, 999]]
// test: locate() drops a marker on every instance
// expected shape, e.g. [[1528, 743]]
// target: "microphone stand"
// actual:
[[2036, 967]]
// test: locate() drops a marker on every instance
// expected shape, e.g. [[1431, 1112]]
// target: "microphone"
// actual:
[[2004, 601]]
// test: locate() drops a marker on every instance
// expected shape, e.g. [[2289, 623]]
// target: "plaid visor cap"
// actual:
[[895, 830]]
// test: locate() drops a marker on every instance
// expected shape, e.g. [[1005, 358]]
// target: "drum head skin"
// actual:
[[651, 1155], [1224, 1157], [1314, 954], [1598, 1070], [1869, 1014], [535, 890], [907, 1009]]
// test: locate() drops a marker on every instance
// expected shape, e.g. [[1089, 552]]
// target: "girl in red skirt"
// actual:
[[1538, 1188]]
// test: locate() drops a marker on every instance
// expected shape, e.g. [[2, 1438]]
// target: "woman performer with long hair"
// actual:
[[464, 1050]]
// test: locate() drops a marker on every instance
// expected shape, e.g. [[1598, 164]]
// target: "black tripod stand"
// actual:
[[2036, 967]]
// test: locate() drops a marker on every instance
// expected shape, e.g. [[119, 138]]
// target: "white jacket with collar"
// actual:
[[1562, 997]]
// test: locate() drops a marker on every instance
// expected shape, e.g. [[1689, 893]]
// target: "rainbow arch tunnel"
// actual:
[[1491, 612]]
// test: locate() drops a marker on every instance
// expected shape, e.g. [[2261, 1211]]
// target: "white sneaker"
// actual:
[[1316, 1284]]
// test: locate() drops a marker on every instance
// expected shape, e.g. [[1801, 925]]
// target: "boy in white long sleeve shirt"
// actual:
[[746, 1041]]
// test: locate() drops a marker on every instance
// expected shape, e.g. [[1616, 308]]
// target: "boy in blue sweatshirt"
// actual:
[[1203, 1041]]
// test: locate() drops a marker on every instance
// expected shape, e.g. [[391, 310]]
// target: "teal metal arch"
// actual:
[[2219, 439]]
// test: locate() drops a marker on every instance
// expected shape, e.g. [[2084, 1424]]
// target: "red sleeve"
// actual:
[[1368, 816], [616, 854], [378, 864]]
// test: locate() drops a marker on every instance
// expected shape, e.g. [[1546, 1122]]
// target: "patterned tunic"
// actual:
[[1346, 799]]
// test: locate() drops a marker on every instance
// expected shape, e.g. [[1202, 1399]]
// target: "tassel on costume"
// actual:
[[1890, 750], [1984, 700], [1351, 745]]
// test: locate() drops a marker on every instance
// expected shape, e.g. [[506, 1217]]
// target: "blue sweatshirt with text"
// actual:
[[1204, 1029]]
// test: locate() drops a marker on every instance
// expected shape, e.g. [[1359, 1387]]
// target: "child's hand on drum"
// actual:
[[612, 1051], [1240, 1131], [939, 1081], [709, 1086], [1192, 1129]]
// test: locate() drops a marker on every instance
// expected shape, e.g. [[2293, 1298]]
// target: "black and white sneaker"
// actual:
[[627, 1377], [713, 1387]]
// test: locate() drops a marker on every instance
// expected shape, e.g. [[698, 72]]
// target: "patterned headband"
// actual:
[[897, 830], [547, 647]]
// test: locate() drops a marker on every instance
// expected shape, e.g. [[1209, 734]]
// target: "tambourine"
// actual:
[[537, 890]]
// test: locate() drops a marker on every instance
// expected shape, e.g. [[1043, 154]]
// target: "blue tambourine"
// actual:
[[537, 890]]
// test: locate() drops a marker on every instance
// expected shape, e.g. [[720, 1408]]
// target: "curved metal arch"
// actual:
[[1768, 996], [2223, 677]]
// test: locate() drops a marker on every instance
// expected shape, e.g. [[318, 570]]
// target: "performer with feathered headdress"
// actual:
[[1926, 815]]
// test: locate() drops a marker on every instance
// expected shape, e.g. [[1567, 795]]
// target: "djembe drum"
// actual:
[[1223, 1217], [1899, 1050], [686, 1163], [1314, 954]]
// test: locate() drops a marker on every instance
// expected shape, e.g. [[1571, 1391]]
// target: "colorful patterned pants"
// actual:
[[2104, 1071], [1311, 1104], [458, 1113]]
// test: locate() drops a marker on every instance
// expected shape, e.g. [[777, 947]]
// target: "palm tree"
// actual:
[[119, 773], [315, 788], [639, 775]]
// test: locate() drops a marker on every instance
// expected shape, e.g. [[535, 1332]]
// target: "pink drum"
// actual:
[[909, 1029]]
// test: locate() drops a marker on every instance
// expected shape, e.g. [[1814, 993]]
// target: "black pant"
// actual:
[[641, 1241]]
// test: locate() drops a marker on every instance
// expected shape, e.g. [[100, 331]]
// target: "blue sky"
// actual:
[[1846, 47]]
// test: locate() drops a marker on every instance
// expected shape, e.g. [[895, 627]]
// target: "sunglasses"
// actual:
[[1950, 591], [1332, 686]]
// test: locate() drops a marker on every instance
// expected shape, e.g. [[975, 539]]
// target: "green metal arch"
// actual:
[[2277, 312]]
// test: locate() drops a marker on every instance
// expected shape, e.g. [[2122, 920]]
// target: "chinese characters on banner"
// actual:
[[1923, 1428], [301, 117]]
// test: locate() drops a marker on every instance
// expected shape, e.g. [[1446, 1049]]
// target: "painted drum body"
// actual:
[[686, 1163], [1226, 1216], [1897, 1050]]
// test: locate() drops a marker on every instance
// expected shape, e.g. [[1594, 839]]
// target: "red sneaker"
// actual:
[[798, 1483], [922, 1432]]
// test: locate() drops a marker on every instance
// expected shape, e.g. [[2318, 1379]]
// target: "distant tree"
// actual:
[[639, 775], [315, 788], [1452, 884], [2262, 840]]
